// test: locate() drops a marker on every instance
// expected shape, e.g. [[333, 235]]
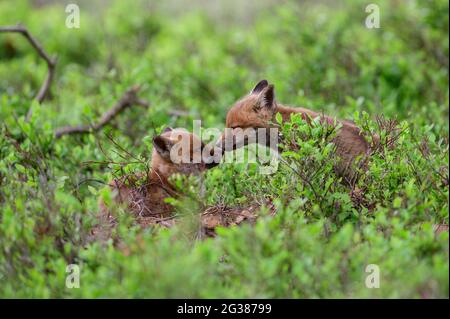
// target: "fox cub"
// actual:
[[258, 110], [144, 194]]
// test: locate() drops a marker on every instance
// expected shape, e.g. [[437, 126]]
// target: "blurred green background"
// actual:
[[200, 56]]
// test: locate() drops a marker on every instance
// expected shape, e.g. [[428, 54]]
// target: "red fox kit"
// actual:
[[258, 110], [168, 158]]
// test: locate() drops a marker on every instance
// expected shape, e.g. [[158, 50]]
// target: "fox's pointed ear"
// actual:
[[267, 97], [163, 146], [260, 86], [167, 129]]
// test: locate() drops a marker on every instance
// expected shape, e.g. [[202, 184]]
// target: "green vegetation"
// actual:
[[198, 61]]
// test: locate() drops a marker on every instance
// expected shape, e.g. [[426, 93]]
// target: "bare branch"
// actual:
[[51, 62], [128, 99]]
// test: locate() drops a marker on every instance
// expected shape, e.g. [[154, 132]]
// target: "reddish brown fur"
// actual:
[[258, 110], [156, 186]]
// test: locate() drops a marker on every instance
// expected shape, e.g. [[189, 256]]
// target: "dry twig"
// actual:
[[128, 99], [51, 61]]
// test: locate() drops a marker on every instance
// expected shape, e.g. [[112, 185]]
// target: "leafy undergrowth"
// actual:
[[315, 234]]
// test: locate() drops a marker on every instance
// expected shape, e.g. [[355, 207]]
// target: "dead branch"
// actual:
[[51, 62], [128, 99]]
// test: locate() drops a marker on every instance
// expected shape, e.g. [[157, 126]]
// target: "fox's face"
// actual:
[[255, 110], [174, 151], [178, 151]]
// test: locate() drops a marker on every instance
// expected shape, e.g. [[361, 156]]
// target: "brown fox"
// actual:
[[258, 110], [144, 194]]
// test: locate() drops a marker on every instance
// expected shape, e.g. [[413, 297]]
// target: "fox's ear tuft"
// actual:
[[167, 129], [260, 86], [267, 97], [163, 146]]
